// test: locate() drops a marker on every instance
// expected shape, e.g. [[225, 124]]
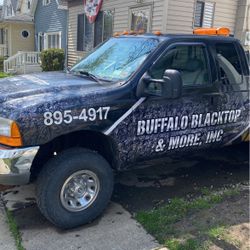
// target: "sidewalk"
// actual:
[[115, 230]]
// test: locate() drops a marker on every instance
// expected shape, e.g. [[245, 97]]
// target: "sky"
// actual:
[[1, 2]]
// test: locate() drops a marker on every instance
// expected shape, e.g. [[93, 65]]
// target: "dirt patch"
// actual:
[[143, 189], [224, 226]]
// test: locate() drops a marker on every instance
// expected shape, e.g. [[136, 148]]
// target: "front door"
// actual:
[[191, 122]]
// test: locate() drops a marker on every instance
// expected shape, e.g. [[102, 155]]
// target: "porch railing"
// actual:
[[21, 62]]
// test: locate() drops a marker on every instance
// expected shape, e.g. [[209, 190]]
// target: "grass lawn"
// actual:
[[3, 75], [198, 224]]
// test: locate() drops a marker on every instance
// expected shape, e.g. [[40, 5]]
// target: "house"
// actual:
[[51, 24], [167, 16], [41, 24], [17, 26], [17, 36]]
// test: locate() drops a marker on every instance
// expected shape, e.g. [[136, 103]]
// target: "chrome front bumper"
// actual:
[[15, 165]]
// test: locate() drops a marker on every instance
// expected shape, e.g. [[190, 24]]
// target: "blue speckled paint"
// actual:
[[26, 98]]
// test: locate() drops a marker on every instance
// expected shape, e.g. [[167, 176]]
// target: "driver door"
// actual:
[[166, 126]]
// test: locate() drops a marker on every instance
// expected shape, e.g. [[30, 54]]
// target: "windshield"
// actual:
[[118, 58]]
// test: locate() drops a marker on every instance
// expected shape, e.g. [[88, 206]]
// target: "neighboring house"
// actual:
[[51, 24], [167, 16], [17, 26]]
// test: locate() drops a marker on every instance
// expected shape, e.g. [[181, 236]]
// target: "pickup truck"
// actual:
[[135, 98]]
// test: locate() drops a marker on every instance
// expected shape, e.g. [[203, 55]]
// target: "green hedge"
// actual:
[[1, 63], [52, 59]]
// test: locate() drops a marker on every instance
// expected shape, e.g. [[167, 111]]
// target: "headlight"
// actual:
[[9, 133]]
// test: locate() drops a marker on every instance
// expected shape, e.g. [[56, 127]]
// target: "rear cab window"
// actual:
[[230, 67]]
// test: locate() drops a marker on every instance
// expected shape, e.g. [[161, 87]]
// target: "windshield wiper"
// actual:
[[91, 76]]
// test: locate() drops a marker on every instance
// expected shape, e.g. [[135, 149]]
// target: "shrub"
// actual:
[[52, 59], [1, 63]]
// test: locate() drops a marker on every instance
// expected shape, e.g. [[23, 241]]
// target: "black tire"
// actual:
[[54, 174]]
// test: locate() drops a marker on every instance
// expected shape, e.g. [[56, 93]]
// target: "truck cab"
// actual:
[[135, 98]]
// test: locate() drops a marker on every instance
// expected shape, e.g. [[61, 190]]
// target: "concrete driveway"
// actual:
[[115, 230]]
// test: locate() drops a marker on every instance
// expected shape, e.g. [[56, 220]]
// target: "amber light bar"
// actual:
[[132, 32], [222, 31]]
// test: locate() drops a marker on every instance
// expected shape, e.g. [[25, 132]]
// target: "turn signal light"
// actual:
[[223, 31], [14, 139]]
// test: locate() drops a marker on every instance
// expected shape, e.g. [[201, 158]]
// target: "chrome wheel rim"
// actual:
[[80, 190]]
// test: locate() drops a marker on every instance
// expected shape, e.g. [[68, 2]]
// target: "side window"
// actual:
[[229, 63], [189, 60]]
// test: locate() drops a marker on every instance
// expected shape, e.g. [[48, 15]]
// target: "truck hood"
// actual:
[[33, 84], [29, 92]]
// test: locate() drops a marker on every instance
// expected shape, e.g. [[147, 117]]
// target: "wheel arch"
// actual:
[[92, 140]]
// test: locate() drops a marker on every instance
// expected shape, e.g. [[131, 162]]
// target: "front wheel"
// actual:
[[74, 187]]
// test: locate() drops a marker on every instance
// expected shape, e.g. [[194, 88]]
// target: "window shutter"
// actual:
[[80, 32], [88, 37], [1, 36], [198, 17], [208, 15]]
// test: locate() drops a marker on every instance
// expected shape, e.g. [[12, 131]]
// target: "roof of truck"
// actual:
[[184, 36]]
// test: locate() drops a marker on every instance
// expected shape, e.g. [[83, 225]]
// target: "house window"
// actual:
[[29, 4], [46, 2], [204, 14], [2, 36], [140, 18], [52, 40], [90, 35], [25, 34]]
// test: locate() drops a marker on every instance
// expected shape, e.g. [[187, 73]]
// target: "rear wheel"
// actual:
[[74, 187]]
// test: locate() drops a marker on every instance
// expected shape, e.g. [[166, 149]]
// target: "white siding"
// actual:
[[180, 16], [225, 13], [73, 55], [181, 13], [122, 10], [243, 21], [169, 16], [121, 20]]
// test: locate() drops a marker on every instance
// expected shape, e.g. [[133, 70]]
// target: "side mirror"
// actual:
[[169, 87]]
